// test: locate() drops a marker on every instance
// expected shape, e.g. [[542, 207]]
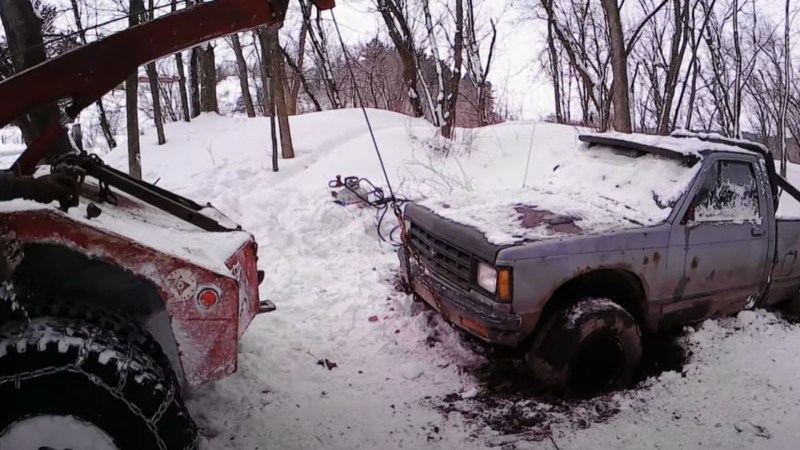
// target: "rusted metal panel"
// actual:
[[532, 217], [206, 337]]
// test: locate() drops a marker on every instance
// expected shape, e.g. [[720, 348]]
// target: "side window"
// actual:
[[729, 193]]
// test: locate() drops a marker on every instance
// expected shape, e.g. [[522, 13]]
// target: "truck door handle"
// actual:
[[757, 231]]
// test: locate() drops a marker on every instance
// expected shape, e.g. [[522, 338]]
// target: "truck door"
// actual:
[[720, 242]]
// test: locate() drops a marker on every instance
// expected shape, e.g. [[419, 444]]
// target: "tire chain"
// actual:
[[76, 368]]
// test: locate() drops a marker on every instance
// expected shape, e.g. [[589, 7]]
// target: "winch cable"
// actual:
[[395, 205], [347, 60], [381, 205]]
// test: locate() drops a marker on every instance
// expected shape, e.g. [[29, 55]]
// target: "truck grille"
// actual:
[[449, 261]]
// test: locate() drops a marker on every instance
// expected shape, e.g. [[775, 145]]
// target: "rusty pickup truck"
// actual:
[[578, 290]]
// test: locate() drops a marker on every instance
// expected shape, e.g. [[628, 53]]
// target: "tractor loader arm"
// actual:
[[84, 75]]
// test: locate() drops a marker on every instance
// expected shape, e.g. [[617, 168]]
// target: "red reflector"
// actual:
[[208, 298]]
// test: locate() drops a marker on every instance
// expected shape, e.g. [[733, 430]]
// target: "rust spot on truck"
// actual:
[[646, 260], [656, 257], [694, 263], [531, 217]]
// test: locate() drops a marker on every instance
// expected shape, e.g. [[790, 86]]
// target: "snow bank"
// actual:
[[332, 281]]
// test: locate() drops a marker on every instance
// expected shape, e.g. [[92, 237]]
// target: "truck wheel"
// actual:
[[589, 347], [71, 384]]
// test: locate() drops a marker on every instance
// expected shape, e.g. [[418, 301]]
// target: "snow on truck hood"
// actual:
[[155, 229], [588, 191]]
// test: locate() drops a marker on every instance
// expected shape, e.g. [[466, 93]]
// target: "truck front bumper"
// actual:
[[469, 311]]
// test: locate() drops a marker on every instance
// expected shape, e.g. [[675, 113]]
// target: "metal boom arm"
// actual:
[[85, 74]]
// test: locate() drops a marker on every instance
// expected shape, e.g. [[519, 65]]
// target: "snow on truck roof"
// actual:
[[689, 147]]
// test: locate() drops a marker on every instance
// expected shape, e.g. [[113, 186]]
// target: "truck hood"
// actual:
[[510, 217]]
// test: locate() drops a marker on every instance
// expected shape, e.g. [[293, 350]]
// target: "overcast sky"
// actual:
[[514, 70], [515, 73]]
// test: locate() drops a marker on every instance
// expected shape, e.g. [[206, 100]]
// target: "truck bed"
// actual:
[[786, 276]]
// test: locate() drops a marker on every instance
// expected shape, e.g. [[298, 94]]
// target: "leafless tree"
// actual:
[[787, 76], [104, 125], [394, 17], [319, 44], [242, 72], [23, 29], [152, 76], [182, 77], [132, 101], [477, 70]]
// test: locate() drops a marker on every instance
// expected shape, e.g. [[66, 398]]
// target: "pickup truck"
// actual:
[[679, 229]]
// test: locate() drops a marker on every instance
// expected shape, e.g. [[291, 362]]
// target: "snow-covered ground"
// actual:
[[348, 362]]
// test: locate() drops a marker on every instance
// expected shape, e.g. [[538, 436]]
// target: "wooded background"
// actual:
[[631, 65]]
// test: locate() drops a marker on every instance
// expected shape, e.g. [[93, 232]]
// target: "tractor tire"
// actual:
[[590, 347], [64, 381]]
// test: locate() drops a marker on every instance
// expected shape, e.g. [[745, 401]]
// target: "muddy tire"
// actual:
[[80, 375], [590, 347]]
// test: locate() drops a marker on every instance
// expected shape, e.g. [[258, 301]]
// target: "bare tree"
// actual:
[[619, 66], [132, 101], [104, 125], [319, 43], [451, 97], [477, 71], [279, 87], [439, 118], [787, 76], [268, 97], [182, 77], [301, 77], [208, 78], [241, 70], [194, 81], [152, 76], [403, 39], [23, 30]]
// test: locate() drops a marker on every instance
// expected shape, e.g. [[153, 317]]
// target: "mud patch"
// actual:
[[663, 353], [510, 407]]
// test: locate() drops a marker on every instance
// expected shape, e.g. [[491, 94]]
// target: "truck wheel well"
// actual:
[[56, 273], [620, 286]]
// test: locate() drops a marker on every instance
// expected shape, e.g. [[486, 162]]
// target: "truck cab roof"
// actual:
[[683, 145]]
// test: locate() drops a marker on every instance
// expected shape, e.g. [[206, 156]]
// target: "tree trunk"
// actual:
[[158, 117], [455, 79], [208, 78], [182, 87], [555, 73], [737, 94], [25, 44], [268, 97], [105, 127], [787, 74], [441, 100], [677, 53], [403, 40], [619, 67], [132, 103], [181, 77], [279, 88], [319, 44], [241, 69], [303, 80], [298, 78], [194, 81]]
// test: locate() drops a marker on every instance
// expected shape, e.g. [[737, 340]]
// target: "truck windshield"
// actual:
[[643, 188]]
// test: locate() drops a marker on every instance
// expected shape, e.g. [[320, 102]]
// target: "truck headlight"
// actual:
[[487, 277], [495, 280]]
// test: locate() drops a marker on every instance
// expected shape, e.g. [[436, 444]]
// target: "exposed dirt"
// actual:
[[515, 408]]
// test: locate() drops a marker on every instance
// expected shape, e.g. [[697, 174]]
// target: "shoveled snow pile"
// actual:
[[348, 362]]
